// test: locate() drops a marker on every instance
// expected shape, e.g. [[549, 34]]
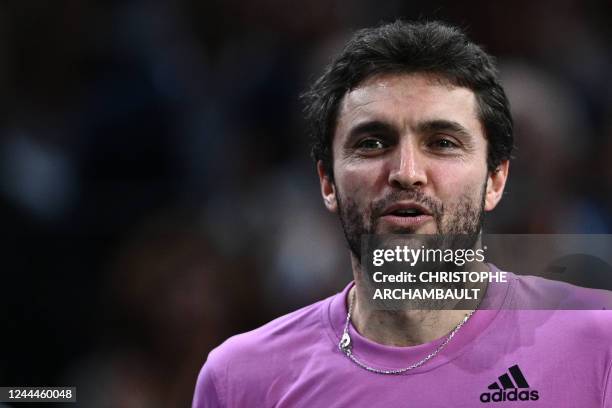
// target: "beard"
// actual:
[[458, 226], [464, 219]]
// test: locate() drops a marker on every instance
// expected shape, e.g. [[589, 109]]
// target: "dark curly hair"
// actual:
[[410, 47]]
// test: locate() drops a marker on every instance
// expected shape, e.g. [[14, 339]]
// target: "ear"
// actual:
[[496, 182], [328, 189]]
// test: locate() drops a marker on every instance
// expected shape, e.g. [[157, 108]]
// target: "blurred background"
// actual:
[[156, 191]]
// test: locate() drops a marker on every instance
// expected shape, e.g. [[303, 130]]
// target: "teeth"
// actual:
[[407, 212]]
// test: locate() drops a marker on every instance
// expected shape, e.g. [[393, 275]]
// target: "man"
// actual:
[[413, 135]]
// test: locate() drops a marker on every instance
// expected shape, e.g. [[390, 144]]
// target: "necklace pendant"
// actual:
[[345, 342]]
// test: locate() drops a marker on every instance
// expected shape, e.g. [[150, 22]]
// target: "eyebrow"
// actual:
[[371, 126], [443, 125]]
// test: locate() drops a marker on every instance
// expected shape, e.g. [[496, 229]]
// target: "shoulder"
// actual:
[[249, 362], [533, 292], [580, 315], [273, 336]]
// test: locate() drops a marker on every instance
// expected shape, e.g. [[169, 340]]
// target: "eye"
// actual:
[[371, 144], [444, 144]]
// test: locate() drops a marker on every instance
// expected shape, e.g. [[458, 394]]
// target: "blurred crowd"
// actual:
[[156, 190]]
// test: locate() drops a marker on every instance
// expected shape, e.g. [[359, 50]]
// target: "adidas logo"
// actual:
[[508, 390]]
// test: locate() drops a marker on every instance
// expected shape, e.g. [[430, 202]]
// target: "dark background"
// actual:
[[156, 192]]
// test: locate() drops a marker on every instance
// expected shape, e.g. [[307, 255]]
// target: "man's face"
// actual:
[[410, 156]]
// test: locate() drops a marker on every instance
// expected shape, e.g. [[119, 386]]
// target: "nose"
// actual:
[[408, 167]]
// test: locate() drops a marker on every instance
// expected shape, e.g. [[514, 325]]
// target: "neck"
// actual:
[[401, 327]]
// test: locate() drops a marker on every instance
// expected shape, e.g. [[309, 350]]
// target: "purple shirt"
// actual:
[[500, 357]]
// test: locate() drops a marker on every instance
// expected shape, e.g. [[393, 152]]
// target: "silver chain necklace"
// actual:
[[346, 346]]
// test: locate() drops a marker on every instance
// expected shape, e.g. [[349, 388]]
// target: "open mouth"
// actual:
[[406, 215], [407, 212]]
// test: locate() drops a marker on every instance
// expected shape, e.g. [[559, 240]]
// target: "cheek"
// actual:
[[362, 182], [453, 182]]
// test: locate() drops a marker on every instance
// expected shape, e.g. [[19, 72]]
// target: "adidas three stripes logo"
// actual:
[[506, 382], [512, 386]]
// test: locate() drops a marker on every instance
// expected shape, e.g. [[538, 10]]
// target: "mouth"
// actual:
[[406, 215], [406, 209]]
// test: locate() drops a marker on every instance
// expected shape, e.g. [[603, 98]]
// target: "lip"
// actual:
[[406, 205], [406, 222]]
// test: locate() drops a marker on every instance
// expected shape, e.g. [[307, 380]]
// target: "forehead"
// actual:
[[405, 100]]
